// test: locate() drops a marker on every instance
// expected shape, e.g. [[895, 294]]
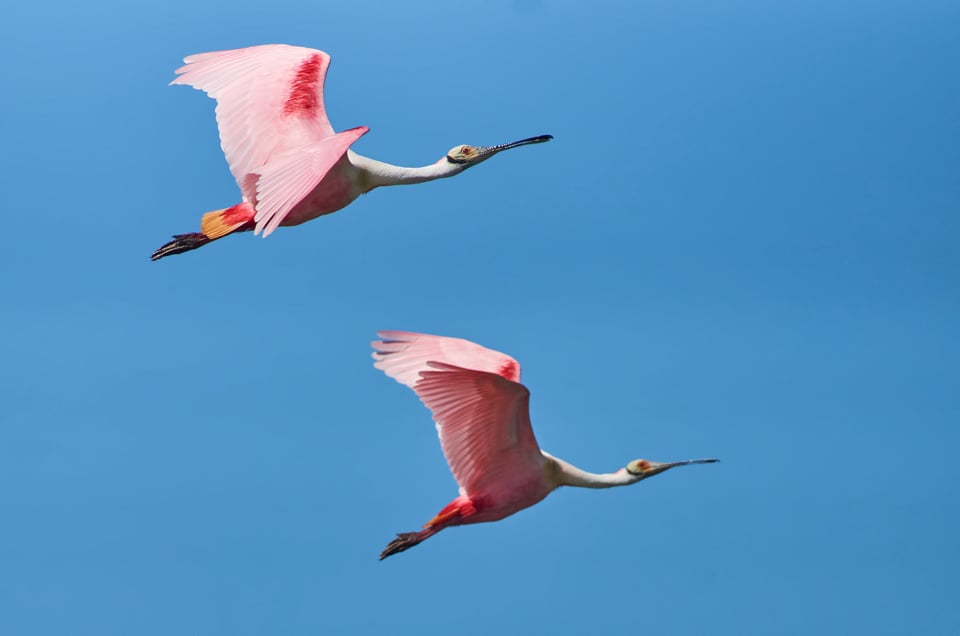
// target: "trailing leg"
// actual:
[[453, 514], [405, 541], [214, 225]]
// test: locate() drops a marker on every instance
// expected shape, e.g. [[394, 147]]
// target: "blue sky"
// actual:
[[741, 244]]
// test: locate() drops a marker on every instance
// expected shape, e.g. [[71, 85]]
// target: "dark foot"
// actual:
[[181, 243], [403, 542]]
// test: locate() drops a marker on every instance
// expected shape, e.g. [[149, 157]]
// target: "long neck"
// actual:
[[377, 173], [569, 475]]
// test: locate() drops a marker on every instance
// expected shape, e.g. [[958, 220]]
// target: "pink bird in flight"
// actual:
[[482, 415], [289, 163]]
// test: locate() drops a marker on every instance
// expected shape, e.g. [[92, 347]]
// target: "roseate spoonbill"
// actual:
[[483, 419], [289, 163]]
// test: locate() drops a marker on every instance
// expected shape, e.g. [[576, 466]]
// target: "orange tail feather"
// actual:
[[219, 223]]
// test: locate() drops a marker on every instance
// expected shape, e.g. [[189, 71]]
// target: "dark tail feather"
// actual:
[[213, 225], [181, 243], [404, 541]]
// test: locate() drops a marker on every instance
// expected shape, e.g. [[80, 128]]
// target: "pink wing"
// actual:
[[403, 355], [270, 110], [483, 421], [287, 178], [480, 408]]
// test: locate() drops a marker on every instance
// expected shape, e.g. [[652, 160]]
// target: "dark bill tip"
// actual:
[[696, 461], [658, 467], [539, 139]]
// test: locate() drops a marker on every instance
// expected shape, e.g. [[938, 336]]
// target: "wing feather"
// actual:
[[269, 105], [483, 421], [285, 180], [402, 355], [479, 406]]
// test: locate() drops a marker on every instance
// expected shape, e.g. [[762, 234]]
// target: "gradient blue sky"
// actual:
[[742, 243]]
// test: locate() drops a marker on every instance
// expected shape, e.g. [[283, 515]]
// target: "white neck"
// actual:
[[569, 475], [374, 174]]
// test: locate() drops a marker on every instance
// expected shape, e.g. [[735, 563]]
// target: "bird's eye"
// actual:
[[467, 150]]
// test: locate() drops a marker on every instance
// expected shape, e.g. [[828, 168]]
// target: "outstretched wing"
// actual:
[[287, 178], [269, 110], [480, 408], [483, 421], [402, 355]]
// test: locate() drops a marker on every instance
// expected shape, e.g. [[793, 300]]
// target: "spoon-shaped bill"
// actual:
[[657, 467], [485, 152]]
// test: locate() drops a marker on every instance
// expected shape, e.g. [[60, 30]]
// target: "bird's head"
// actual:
[[640, 469], [464, 156]]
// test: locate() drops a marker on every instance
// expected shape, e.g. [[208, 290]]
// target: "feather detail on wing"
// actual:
[[483, 420], [285, 180], [402, 355], [269, 104]]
